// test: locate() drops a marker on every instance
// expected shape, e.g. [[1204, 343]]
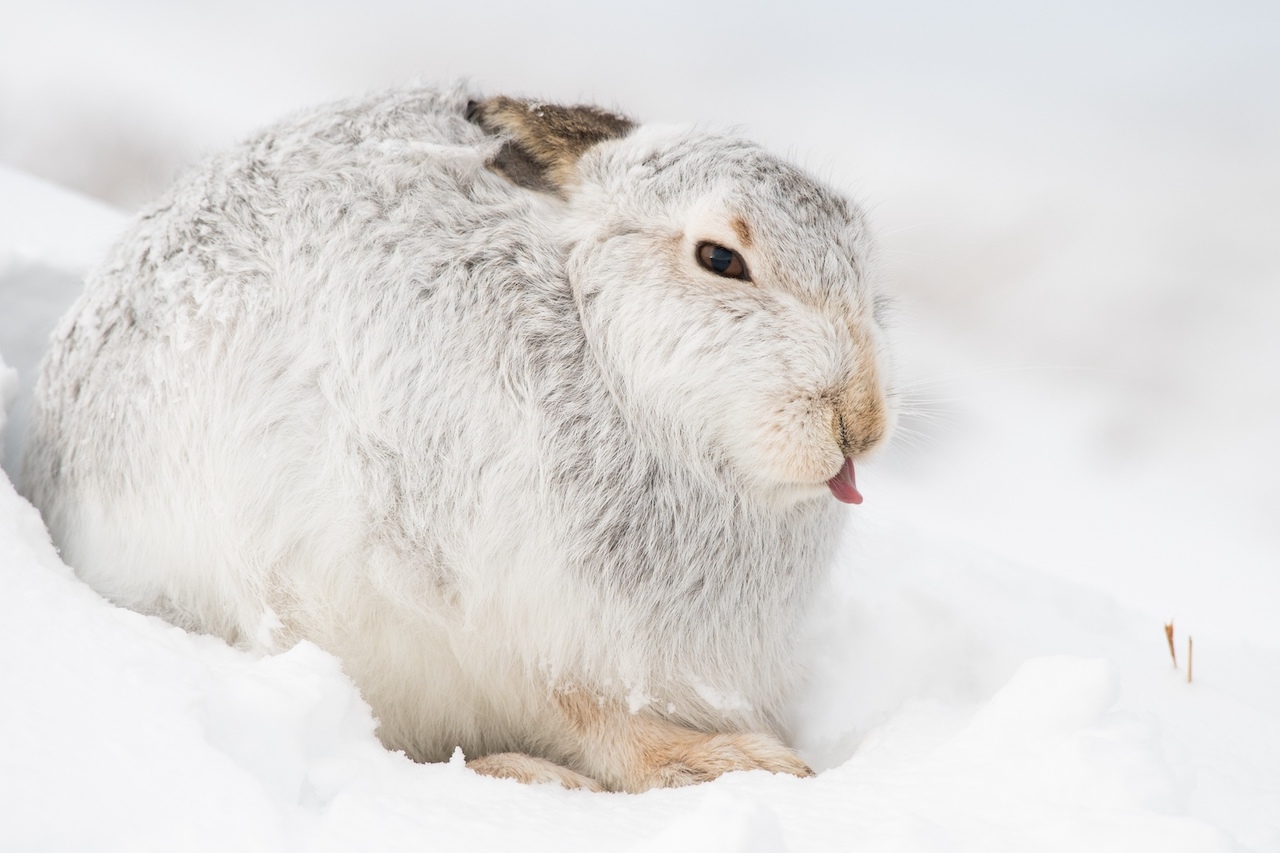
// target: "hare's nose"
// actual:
[[859, 420]]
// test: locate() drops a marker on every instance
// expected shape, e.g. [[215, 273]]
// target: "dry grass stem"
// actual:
[[1168, 635], [1188, 659]]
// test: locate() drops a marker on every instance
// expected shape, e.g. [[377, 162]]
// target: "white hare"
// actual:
[[531, 415]]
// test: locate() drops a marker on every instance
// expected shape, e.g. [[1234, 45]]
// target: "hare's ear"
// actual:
[[544, 141]]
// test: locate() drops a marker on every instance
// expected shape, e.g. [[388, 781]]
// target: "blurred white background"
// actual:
[[1078, 203]]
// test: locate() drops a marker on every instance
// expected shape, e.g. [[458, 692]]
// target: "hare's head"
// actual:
[[726, 294]]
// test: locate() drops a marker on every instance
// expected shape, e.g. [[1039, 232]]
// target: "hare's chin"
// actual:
[[842, 486], [798, 493]]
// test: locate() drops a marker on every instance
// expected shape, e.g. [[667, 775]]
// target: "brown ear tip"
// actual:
[[543, 141], [488, 112]]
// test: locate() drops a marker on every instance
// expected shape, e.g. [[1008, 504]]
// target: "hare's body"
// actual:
[[373, 381]]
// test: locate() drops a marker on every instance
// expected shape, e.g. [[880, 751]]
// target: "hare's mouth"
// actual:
[[842, 485]]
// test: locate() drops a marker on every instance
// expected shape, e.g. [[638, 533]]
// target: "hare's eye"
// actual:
[[722, 261]]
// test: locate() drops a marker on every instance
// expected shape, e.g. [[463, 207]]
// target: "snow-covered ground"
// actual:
[[1080, 209]]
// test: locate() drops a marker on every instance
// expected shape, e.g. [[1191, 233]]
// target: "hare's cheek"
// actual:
[[793, 442]]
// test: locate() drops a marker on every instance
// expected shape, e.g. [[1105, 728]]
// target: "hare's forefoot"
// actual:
[[530, 770], [687, 758], [636, 752]]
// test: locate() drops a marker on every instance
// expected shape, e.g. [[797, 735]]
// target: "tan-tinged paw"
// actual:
[[531, 770], [703, 757]]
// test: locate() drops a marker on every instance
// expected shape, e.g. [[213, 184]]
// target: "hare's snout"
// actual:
[[859, 419], [815, 436], [830, 410], [858, 422], [859, 411]]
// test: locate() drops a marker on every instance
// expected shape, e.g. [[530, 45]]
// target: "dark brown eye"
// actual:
[[722, 261]]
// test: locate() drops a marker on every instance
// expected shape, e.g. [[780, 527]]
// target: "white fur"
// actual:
[[346, 383]]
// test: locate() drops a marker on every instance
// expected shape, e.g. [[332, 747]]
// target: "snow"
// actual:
[[942, 712], [1085, 250]]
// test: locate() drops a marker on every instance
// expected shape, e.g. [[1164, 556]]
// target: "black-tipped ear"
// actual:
[[544, 140]]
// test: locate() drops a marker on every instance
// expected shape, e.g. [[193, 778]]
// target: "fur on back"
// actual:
[[355, 382]]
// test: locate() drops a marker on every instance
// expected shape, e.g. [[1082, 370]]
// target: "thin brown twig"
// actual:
[[1168, 635], [1188, 659]]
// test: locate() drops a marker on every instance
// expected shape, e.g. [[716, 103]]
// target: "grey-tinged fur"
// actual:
[[494, 438]]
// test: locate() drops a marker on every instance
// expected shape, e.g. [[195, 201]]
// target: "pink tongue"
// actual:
[[843, 486]]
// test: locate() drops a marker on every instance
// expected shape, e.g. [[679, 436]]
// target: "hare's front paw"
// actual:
[[698, 757], [531, 770]]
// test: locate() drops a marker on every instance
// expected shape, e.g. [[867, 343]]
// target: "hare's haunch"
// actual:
[[536, 417]]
